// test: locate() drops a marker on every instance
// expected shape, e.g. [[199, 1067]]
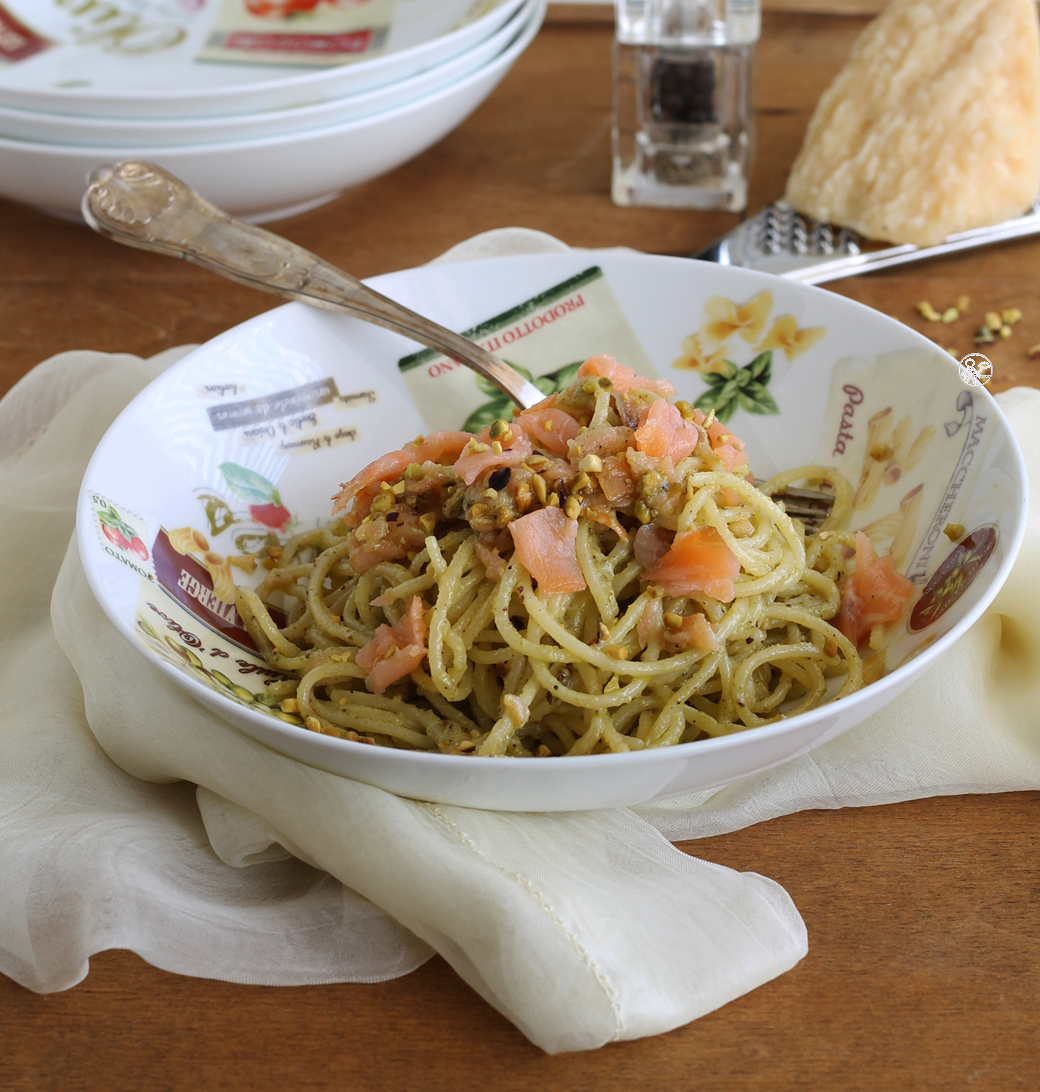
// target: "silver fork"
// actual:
[[143, 206], [781, 240]]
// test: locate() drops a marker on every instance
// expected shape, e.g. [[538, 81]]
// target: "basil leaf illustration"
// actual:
[[728, 390], [111, 518], [724, 407], [761, 367], [483, 415], [756, 399], [562, 376], [249, 485]]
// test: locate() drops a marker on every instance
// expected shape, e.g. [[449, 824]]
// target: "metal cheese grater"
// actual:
[[781, 240]]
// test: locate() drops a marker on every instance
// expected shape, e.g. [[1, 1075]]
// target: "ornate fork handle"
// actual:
[[144, 206]]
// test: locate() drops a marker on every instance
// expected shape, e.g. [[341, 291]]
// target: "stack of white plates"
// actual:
[[259, 141]]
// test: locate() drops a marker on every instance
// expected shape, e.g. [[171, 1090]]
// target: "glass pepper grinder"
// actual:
[[682, 130]]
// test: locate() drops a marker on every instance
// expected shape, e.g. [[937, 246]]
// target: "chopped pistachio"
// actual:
[[591, 463], [984, 335]]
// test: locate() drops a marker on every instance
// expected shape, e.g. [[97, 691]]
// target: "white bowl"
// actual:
[[39, 127], [269, 177], [344, 401], [90, 80]]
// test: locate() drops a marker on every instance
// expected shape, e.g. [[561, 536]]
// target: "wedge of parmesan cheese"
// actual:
[[933, 125]]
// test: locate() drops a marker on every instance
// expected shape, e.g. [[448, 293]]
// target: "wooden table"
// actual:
[[924, 963]]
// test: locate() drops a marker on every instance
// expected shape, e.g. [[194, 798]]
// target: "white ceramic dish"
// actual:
[[39, 127], [303, 398], [96, 78], [270, 177]]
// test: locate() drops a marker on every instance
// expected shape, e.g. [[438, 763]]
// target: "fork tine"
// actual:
[[811, 506]]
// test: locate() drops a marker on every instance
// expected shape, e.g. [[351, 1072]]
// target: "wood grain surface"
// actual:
[[924, 918]]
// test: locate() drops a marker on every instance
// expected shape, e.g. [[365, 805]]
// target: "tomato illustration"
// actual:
[[115, 536], [264, 500], [275, 516], [120, 533]]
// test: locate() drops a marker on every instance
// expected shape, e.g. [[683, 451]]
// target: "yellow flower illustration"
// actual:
[[725, 318], [786, 335], [695, 359]]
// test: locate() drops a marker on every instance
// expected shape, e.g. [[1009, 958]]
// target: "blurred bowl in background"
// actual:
[[39, 127], [266, 178], [97, 83]]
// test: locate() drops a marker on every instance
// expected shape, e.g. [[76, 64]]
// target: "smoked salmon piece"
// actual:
[[623, 377], [697, 561], [874, 593], [395, 651], [546, 546], [664, 434], [694, 633], [729, 448], [473, 462], [438, 447], [549, 428]]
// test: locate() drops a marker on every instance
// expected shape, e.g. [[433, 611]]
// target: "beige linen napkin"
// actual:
[[581, 928]]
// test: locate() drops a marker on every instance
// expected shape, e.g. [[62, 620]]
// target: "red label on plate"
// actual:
[[192, 586], [953, 577], [356, 41], [17, 41]]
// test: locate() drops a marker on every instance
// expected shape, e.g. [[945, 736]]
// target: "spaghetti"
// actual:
[[598, 574]]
